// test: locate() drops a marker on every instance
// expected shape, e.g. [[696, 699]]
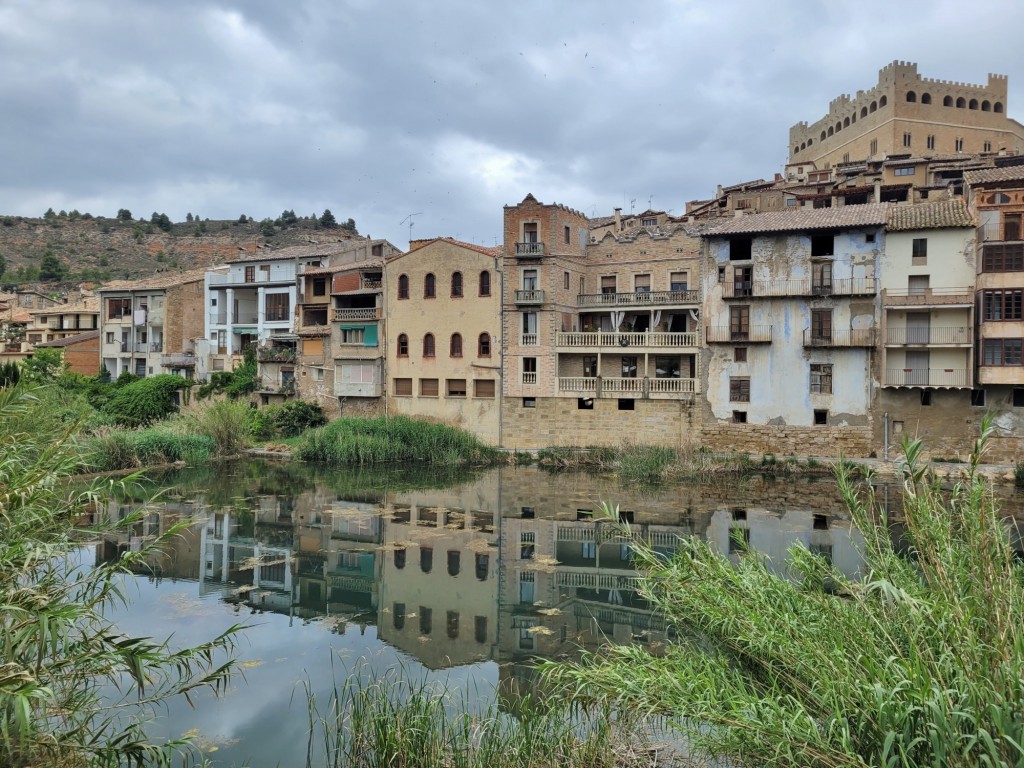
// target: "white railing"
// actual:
[[593, 580], [610, 339], [363, 313], [577, 384], [673, 386], [627, 385], [529, 340], [645, 298], [529, 377], [529, 296], [623, 384]]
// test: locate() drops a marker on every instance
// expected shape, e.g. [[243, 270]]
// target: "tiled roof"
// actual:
[[601, 221], [92, 304], [995, 175], [161, 280], [417, 244], [938, 215], [841, 217], [69, 340], [309, 251]]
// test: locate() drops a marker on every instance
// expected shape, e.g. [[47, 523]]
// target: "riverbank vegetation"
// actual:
[[390, 439], [75, 691], [918, 664]]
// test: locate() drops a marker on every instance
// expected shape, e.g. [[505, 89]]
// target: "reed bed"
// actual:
[[390, 439], [115, 449]]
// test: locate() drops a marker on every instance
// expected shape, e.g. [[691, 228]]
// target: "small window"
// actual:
[[869, 237], [740, 249], [454, 562], [398, 615], [483, 345], [820, 417], [987, 146], [565, 281], [585, 404], [819, 522], [739, 355], [455, 347], [456, 285], [426, 559], [739, 417], [930, 142], [529, 402], [485, 283], [1018, 392], [399, 558], [906, 141], [403, 286], [527, 513], [920, 250], [483, 388], [958, 145], [480, 629], [626, 404], [320, 286], [907, 171], [739, 515], [403, 345], [428, 345], [721, 275], [874, 145], [821, 378], [978, 398], [428, 388], [250, 274], [456, 387], [739, 389], [926, 397], [678, 281], [567, 235], [429, 286], [426, 620], [403, 387], [823, 245], [452, 625]]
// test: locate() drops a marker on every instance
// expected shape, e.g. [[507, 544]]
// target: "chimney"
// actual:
[[778, 177], [618, 219], [878, 190]]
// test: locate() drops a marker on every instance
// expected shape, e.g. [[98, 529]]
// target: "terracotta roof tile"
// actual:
[[68, 340], [161, 280], [995, 175], [844, 216], [417, 244], [938, 215]]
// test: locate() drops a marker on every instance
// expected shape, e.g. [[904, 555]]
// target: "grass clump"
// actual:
[[920, 664], [389, 439], [382, 720], [111, 450], [645, 463]]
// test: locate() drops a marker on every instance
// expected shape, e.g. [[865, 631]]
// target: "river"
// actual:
[[460, 578]]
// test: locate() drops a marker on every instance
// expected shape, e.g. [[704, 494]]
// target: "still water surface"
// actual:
[[463, 579]]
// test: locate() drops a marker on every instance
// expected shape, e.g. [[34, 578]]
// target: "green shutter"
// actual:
[[370, 335]]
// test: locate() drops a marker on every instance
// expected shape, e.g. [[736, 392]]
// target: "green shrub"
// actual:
[[296, 416], [144, 401], [260, 422], [227, 423], [111, 450]]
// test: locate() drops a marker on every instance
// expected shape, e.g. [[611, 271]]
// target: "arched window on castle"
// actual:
[[822, 135], [883, 101], [926, 98], [873, 107], [961, 103], [455, 348], [403, 345], [986, 106], [998, 107], [403, 286], [846, 123], [839, 127], [456, 284], [830, 130], [973, 104], [428, 345], [429, 286], [863, 111], [947, 101], [485, 283], [911, 96]]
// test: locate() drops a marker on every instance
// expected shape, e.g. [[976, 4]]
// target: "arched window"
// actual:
[[403, 286], [853, 118], [926, 98], [839, 127], [456, 345], [485, 283], [403, 345], [399, 556], [911, 96], [961, 103], [426, 559], [830, 130], [483, 345], [846, 123], [456, 284], [454, 562], [822, 135], [428, 345], [873, 107], [947, 101], [863, 111], [809, 142], [429, 286], [997, 107], [796, 149], [883, 101], [972, 104], [986, 106]]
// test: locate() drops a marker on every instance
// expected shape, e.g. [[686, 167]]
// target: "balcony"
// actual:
[[370, 284], [755, 289], [929, 297], [178, 360], [724, 334], [530, 297], [275, 355], [927, 377], [361, 313], [636, 387], [852, 337], [607, 339], [529, 377], [529, 340], [957, 336], [639, 298], [529, 250], [1002, 256]]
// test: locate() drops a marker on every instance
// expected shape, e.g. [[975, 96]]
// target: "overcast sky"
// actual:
[[447, 109]]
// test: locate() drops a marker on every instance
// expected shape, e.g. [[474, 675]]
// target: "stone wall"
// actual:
[[828, 441]]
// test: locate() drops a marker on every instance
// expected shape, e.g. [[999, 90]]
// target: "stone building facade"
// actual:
[[905, 113]]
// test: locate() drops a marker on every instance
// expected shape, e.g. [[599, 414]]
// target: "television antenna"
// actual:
[[411, 222]]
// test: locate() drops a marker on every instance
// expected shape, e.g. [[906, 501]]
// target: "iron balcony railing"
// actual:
[[529, 250], [610, 339], [927, 377], [846, 337], [925, 297], [638, 298], [178, 360], [753, 289], [924, 337], [724, 334], [529, 296]]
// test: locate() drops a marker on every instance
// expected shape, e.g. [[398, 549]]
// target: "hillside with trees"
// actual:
[[75, 247]]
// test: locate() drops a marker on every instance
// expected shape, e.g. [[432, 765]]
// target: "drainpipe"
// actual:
[[885, 436], [501, 350]]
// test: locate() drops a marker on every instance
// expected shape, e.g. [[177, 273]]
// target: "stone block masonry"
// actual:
[[782, 440]]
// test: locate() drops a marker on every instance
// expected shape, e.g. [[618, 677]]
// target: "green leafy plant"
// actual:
[[145, 400]]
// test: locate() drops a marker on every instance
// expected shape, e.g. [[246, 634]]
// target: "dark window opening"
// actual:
[[529, 402], [820, 522], [740, 249], [482, 566], [739, 417], [426, 559], [527, 513], [926, 397], [739, 515], [398, 615], [739, 355], [585, 404], [978, 397], [426, 620], [454, 562], [1018, 392], [627, 405], [820, 417], [399, 555], [823, 245]]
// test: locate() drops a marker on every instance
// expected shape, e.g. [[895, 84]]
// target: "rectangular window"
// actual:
[[456, 387], [986, 147], [739, 417], [319, 286], [529, 370], [529, 279], [250, 274], [428, 388], [1001, 352], [403, 387], [821, 325], [276, 307], [958, 145], [1002, 305], [742, 281], [821, 278], [823, 245], [529, 402], [820, 417], [590, 366], [874, 146], [629, 367], [999, 257], [906, 143], [483, 388], [919, 252], [739, 355], [908, 171], [678, 281], [641, 283], [117, 308], [264, 271], [110, 337], [1011, 226], [527, 545], [739, 323], [821, 378], [352, 335], [608, 284], [978, 398], [318, 374], [565, 280], [931, 142], [739, 389], [627, 404], [567, 234], [740, 249], [530, 232]]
